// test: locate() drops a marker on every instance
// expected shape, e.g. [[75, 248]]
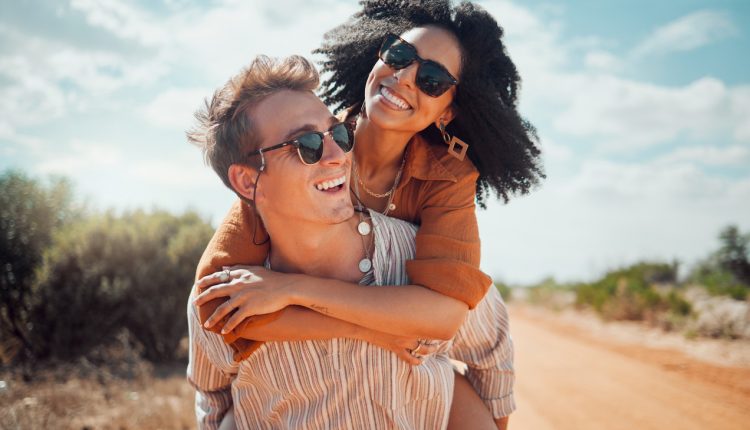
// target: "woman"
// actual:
[[445, 75]]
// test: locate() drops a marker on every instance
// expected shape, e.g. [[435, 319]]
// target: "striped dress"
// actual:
[[350, 384]]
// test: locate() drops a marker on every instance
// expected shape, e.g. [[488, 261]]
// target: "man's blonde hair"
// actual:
[[225, 131]]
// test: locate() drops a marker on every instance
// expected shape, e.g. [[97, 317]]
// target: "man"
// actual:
[[290, 158]]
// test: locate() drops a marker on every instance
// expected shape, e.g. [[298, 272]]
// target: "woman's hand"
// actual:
[[408, 349], [250, 291]]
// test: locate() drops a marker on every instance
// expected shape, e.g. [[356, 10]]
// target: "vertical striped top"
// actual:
[[350, 384]]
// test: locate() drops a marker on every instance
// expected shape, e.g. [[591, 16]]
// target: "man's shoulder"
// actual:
[[393, 227]]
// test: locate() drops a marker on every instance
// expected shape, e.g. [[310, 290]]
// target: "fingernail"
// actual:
[[206, 324], [223, 331]]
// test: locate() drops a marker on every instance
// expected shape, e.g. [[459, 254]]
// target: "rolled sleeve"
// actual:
[[210, 371], [484, 343]]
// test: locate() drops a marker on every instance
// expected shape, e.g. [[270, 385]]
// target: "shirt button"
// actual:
[[392, 207]]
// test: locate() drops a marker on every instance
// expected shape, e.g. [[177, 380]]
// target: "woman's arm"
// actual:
[[406, 310], [299, 323]]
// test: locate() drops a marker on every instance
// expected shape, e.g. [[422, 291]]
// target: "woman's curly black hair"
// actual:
[[502, 145]]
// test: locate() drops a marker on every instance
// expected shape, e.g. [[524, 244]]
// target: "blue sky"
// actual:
[[643, 109]]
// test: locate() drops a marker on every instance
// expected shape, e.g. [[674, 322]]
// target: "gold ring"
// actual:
[[415, 351]]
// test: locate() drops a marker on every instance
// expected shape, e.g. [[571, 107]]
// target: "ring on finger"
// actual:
[[224, 277], [415, 351]]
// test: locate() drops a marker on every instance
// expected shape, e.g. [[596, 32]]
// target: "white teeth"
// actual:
[[330, 184], [393, 98]]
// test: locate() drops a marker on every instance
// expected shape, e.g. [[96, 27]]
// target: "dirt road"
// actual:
[[568, 379]]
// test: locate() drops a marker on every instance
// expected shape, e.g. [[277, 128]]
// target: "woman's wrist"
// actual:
[[297, 289]]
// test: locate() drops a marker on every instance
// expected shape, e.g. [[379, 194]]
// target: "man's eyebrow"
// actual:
[[299, 130], [307, 127]]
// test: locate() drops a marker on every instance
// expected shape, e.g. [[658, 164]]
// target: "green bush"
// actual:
[[726, 271], [630, 293], [30, 212], [505, 291], [167, 255], [109, 273]]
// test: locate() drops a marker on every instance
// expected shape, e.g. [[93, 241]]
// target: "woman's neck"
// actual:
[[378, 151]]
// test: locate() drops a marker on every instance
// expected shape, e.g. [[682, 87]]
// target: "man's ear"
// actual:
[[243, 179], [446, 116]]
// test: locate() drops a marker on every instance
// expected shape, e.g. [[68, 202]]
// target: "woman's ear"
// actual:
[[446, 116], [243, 179]]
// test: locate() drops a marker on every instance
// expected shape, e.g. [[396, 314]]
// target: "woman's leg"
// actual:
[[468, 411], [228, 422]]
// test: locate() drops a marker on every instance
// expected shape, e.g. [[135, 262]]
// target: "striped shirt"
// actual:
[[345, 383]]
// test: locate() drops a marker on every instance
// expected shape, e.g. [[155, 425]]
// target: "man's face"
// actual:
[[287, 189]]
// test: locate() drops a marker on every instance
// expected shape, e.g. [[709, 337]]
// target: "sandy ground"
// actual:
[[572, 377]]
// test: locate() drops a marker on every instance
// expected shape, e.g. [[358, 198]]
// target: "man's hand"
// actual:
[[399, 345], [250, 291]]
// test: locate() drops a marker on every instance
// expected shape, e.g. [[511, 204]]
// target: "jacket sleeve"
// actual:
[[210, 371], [448, 247], [233, 244]]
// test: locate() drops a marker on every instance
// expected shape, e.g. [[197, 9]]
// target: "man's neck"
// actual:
[[322, 250]]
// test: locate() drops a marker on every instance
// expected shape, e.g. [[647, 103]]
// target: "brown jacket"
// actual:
[[436, 192]]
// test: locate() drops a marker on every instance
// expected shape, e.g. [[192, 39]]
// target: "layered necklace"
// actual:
[[389, 194]]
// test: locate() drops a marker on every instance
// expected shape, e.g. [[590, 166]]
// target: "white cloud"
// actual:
[[601, 60], [174, 108], [734, 155], [79, 156], [689, 32], [181, 172], [122, 20], [626, 115], [47, 79], [607, 215]]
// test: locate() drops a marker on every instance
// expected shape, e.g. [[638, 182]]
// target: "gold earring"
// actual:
[[456, 146]]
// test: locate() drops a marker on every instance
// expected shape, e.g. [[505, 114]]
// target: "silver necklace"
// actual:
[[364, 229]]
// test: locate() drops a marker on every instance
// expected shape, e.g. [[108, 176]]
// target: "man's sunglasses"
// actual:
[[432, 77], [310, 145]]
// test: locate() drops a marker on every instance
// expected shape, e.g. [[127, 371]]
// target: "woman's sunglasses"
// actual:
[[432, 77], [310, 145]]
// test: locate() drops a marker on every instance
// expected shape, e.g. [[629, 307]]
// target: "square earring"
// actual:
[[457, 148]]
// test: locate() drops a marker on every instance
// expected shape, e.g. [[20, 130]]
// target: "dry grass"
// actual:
[[111, 390]]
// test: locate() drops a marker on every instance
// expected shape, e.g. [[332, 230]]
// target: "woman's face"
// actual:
[[392, 99]]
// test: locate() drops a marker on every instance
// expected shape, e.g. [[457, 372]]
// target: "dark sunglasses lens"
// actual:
[[343, 137], [310, 147], [433, 79], [398, 55]]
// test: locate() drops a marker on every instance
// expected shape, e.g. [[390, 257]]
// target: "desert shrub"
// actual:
[[631, 294], [167, 252], [112, 272], [551, 294], [726, 271], [505, 291], [30, 212]]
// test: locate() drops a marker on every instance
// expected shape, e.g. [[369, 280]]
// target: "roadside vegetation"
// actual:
[[712, 301], [92, 310]]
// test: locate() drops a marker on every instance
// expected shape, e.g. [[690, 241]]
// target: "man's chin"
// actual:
[[342, 214]]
